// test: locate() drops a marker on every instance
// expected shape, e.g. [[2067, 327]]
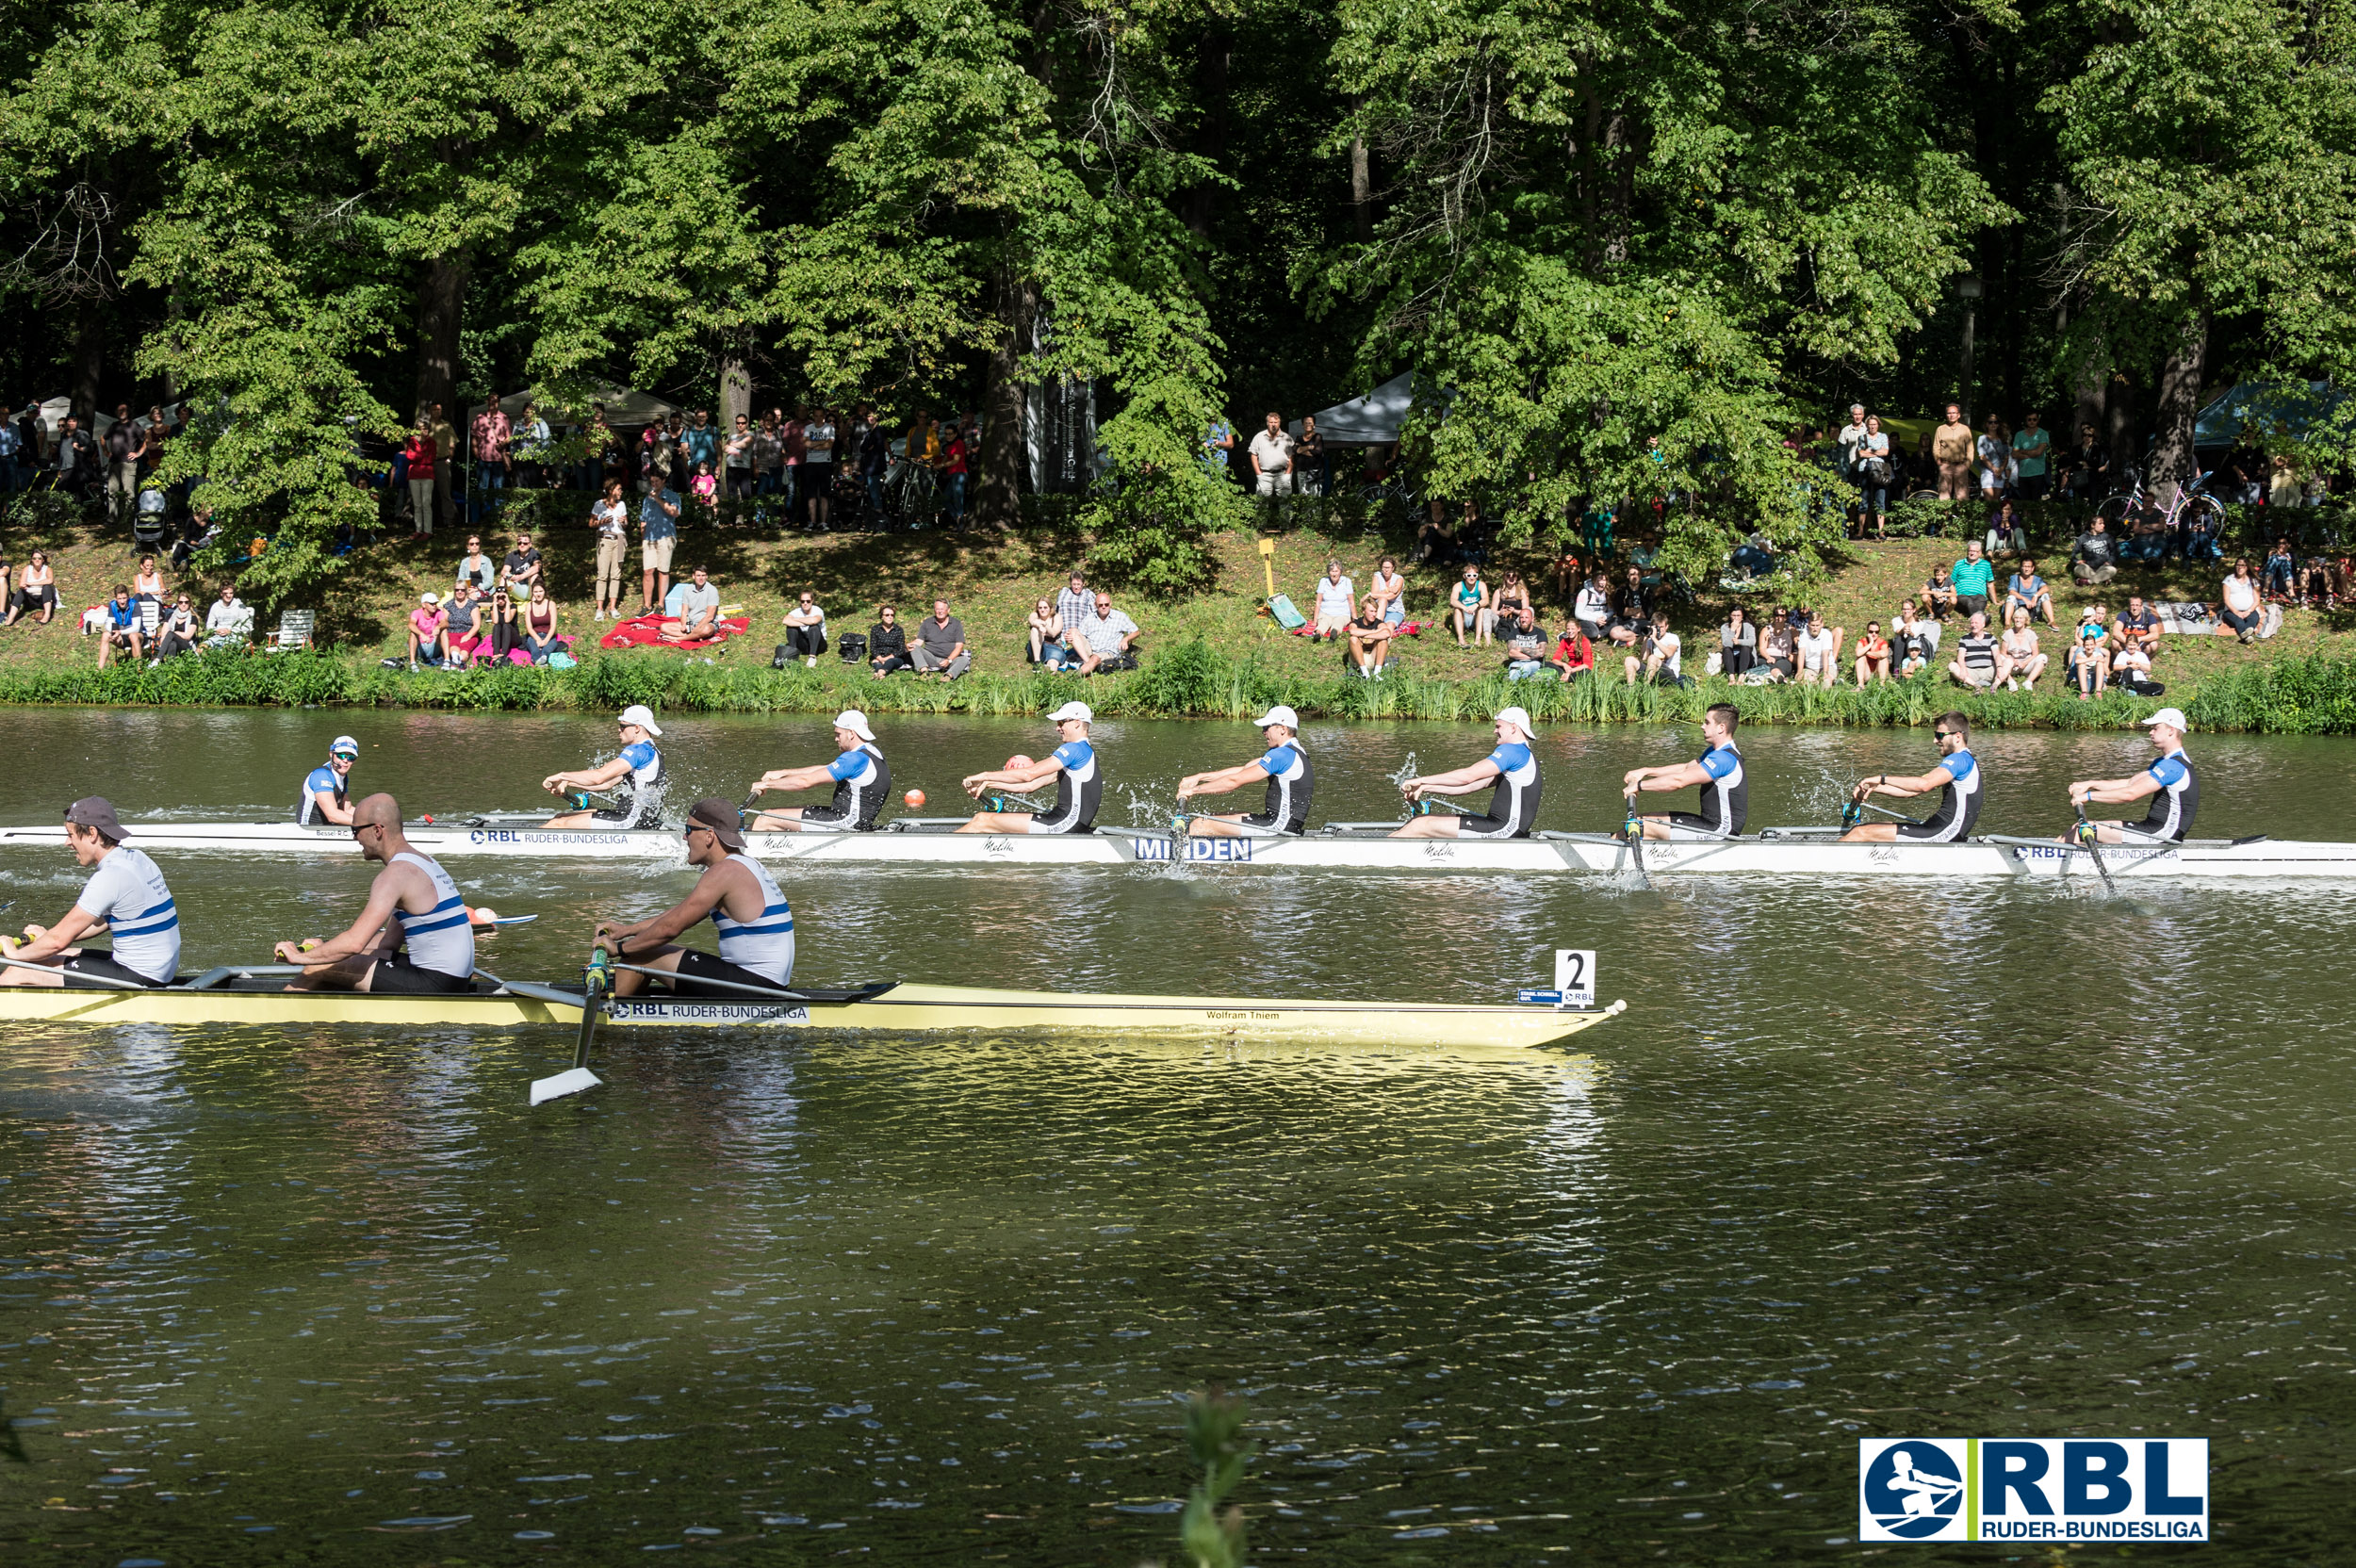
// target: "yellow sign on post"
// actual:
[[1268, 563]]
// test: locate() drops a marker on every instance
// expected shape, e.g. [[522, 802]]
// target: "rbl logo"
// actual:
[[2032, 1489]]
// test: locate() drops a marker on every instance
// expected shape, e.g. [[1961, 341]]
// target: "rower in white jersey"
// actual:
[[2171, 782], [1718, 772], [124, 897], [861, 777], [739, 898], [1960, 779], [413, 936], [327, 789], [1079, 782], [635, 775], [1286, 767], [1513, 809]]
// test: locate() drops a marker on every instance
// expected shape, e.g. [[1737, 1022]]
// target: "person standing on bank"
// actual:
[[861, 777], [126, 897], [1284, 766], [413, 937], [1957, 779], [739, 898]]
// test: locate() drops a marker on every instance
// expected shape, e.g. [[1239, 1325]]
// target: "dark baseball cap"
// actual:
[[718, 815], [99, 812]]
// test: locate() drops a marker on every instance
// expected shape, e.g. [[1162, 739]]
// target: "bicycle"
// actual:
[[2193, 511]]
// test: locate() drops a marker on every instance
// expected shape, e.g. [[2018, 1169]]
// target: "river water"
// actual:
[[1861, 1159]]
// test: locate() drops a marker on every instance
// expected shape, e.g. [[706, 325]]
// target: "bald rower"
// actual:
[[412, 938]]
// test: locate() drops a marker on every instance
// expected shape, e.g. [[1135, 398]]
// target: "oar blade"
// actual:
[[573, 1079]]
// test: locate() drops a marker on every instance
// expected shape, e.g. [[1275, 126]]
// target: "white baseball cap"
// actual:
[[341, 744], [1278, 714], [430, 598], [1518, 719], [856, 722], [2172, 717], [1071, 710], [643, 716]]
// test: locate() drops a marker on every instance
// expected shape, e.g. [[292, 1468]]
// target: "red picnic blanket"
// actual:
[[645, 631], [1409, 628]]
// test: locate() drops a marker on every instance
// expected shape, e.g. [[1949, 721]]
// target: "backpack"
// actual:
[[853, 646]]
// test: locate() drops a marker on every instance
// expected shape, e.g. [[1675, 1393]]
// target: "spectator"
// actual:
[[1525, 644], [118, 626], [1106, 638], [1738, 644], [769, 455], [228, 620], [76, 459], [1336, 595], [1592, 609], [1755, 556], [701, 440], [2095, 559], [1632, 610], [1974, 664], [2007, 529], [2239, 609], [466, 634], [817, 472], [147, 584], [1370, 640], [1511, 599], [1074, 607], [2200, 530], [1470, 607], [1875, 468], [123, 463], [1316, 469], [1849, 437], [2029, 447], [658, 537], [1574, 653], [1218, 442], [1994, 449], [2137, 631], [2018, 657], [1872, 657], [874, 457], [1043, 630], [521, 568], [542, 634], [1389, 589], [1663, 655], [2089, 660], [2146, 541], [953, 465], [2282, 487], [1974, 582], [476, 568], [1938, 593], [1778, 652], [1271, 458], [2089, 466], [530, 452], [698, 610], [1568, 574], [887, 644], [2026, 591], [657, 456], [610, 516], [704, 489], [36, 592], [2282, 572], [1819, 648], [737, 458], [806, 630], [499, 632], [796, 444], [419, 453], [181, 631], [152, 432], [492, 434], [940, 647], [1952, 446]]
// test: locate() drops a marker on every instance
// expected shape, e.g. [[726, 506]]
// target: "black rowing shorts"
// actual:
[[695, 966], [99, 967], [397, 976]]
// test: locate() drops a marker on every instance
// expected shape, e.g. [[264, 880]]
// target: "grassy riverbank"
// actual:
[[1211, 655]]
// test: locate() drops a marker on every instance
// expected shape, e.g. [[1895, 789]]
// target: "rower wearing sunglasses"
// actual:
[[739, 898], [126, 898], [1958, 779], [327, 789], [413, 936]]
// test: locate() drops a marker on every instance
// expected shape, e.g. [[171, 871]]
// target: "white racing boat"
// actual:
[[1363, 847]]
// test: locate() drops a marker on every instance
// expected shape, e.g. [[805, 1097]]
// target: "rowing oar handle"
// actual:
[[1631, 824], [597, 980]]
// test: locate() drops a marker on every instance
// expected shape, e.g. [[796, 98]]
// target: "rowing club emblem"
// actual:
[[1913, 1490]]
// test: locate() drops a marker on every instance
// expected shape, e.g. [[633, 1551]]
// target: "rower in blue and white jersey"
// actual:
[[635, 775], [124, 897], [739, 898], [1284, 766], [861, 777], [2169, 780], [414, 936], [1510, 770], [1079, 782], [1961, 783], [1717, 771], [327, 789]]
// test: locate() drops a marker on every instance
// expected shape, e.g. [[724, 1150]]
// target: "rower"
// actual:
[[861, 777], [1513, 808], [125, 896], [2170, 779], [1718, 770], [1079, 785], [638, 770], [1961, 785], [327, 789], [739, 896], [1286, 767], [413, 936]]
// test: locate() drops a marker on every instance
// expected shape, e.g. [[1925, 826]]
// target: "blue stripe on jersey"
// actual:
[[166, 907]]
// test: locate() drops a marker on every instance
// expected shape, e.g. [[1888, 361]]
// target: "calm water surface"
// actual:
[[1860, 1159]]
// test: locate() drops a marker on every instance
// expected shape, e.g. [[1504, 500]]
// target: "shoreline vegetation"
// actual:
[[2312, 693]]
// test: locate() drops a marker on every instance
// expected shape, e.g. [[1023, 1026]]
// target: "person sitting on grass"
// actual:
[[1574, 654], [1938, 593], [2137, 628], [1333, 596], [476, 567], [542, 636], [2028, 591], [1663, 655], [1872, 657], [2238, 612], [521, 568], [1043, 630], [1105, 638], [1779, 653], [468, 624], [1525, 644], [1370, 639], [1469, 608], [2089, 659], [1819, 647], [940, 644], [228, 620], [181, 630], [429, 628], [698, 610], [2018, 655], [36, 593], [1974, 664], [806, 630], [2282, 573], [888, 644]]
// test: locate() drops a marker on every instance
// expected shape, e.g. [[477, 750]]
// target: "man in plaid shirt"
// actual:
[[1074, 604]]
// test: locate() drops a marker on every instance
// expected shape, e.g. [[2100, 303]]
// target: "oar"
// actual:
[[2088, 842], [745, 811], [1634, 828], [104, 982], [577, 1079], [766, 992], [532, 988]]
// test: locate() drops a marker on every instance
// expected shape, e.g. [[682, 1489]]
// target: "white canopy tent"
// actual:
[[623, 405], [1371, 420], [2257, 409]]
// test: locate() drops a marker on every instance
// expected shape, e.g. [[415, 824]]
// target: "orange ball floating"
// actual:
[[914, 797]]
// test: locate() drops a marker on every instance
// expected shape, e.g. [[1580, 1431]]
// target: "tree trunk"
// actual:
[[89, 360], [2180, 399], [736, 391], [998, 503], [1201, 207], [1361, 187], [441, 302], [1619, 169], [2124, 435]]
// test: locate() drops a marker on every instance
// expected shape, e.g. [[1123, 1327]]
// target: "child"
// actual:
[[705, 488]]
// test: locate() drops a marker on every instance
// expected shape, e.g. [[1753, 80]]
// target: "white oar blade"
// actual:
[[578, 1080]]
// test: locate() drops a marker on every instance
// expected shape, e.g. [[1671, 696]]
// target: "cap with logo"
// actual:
[[1278, 714], [643, 716], [1518, 719], [720, 817], [343, 746], [2172, 717], [856, 722], [96, 811], [1071, 711]]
